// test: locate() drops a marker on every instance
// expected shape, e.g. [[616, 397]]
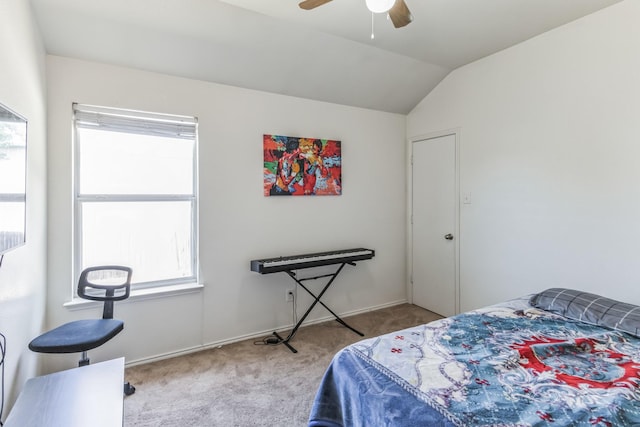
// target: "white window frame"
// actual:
[[167, 124]]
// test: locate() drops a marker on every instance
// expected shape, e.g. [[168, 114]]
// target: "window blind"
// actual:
[[116, 120]]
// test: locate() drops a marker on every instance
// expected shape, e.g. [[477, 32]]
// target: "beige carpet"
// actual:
[[245, 384]]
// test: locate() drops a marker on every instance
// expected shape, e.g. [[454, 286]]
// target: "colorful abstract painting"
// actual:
[[301, 166]]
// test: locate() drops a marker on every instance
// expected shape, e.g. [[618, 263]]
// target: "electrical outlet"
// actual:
[[288, 296]]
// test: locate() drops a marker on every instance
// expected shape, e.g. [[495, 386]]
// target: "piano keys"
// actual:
[[296, 262]]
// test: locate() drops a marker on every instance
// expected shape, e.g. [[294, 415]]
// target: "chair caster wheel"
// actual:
[[129, 389]]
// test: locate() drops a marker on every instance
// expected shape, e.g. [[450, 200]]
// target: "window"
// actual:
[[136, 194]]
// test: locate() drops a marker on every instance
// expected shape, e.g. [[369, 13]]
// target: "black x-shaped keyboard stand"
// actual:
[[290, 264], [316, 300]]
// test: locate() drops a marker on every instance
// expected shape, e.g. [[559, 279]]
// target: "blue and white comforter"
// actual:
[[504, 365]]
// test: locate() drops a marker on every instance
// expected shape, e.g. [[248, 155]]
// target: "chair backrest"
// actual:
[[106, 283]]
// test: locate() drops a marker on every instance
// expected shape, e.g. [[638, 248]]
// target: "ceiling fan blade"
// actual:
[[312, 4], [400, 14]]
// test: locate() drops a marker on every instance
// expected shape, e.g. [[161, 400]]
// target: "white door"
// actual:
[[434, 220]]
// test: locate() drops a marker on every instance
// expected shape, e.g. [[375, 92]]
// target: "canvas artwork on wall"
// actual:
[[301, 166]]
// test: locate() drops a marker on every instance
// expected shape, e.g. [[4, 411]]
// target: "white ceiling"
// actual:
[[324, 54]]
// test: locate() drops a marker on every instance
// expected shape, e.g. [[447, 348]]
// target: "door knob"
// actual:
[[448, 236]]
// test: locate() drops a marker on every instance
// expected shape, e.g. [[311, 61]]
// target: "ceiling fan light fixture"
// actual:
[[380, 6]]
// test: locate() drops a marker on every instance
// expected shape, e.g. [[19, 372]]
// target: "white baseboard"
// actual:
[[259, 334]]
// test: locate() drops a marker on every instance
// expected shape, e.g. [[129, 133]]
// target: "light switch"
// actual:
[[466, 198]]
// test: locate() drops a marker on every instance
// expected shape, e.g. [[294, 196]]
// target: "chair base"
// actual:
[[84, 360], [129, 389]]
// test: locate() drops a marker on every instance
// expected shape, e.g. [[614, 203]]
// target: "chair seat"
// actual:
[[77, 336]]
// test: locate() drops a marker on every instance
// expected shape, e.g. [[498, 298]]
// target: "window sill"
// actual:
[[140, 295]]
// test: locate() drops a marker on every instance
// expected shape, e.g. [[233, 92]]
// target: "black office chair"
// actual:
[[106, 283]]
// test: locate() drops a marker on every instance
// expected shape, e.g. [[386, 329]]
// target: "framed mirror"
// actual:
[[13, 178]]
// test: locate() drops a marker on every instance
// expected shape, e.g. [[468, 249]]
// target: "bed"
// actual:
[[558, 358]]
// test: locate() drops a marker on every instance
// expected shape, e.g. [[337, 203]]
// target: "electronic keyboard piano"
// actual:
[[289, 265], [297, 262]]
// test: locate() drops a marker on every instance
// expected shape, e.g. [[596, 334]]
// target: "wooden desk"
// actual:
[[87, 396]]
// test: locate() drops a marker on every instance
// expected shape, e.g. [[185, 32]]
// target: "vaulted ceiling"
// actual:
[[325, 54]]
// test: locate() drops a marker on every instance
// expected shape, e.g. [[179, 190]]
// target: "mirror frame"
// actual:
[[13, 179]]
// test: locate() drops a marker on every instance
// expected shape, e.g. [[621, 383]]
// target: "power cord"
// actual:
[[270, 340], [294, 313], [294, 306], [274, 340], [3, 350]]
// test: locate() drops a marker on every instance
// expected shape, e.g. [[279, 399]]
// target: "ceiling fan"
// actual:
[[397, 9]]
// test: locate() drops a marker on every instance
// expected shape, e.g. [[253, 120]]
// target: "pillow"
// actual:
[[590, 308]]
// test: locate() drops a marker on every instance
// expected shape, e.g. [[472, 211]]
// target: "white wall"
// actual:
[[23, 271], [550, 148], [237, 223]]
